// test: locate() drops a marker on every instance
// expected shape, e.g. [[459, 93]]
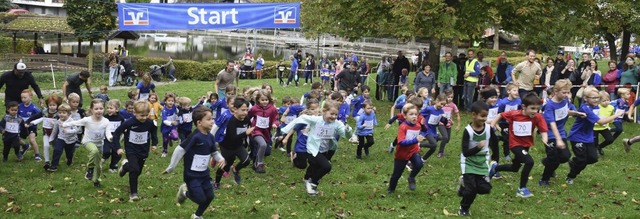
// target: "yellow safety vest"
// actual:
[[469, 68]]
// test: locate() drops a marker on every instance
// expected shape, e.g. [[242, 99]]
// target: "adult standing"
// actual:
[[503, 74], [549, 75], [471, 73], [382, 78], [425, 78], [225, 78], [259, 66], [293, 75], [349, 79], [611, 79], [447, 73], [420, 58], [576, 76], [400, 63], [113, 67], [171, 68], [73, 83], [309, 67], [528, 70], [458, 89], [629, 75], [17, 80]]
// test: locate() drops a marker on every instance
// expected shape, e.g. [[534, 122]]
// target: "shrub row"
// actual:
[[193, 70], [22, 45]]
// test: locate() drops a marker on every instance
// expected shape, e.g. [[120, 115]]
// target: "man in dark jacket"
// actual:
[[349, 79], [17, 80], [457, 90], [400, 63]]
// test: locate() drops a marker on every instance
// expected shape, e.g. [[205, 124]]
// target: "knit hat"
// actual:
[[489, 93]]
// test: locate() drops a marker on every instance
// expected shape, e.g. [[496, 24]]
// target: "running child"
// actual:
[[264, 117], [621, 104], [490, 96], [475, 158], [407, 150], [315, 88], [76, 114], [13, 129], [110, 149], [445, 128], [521, 139], [197, 151], [433, 115], [185, 118], [556, 113], [235, 133], [48, 118], [606, 110], [323, 131], [286, 102], [145, 87], [26, 109], [96, 128], [365, 122], [416, 102], [325, 74], [511, 102], [155, 109], [127, 112], [358, 103], [137, 132], [581, 134], [63, 138], [104, 94], [299, 155], [169, 127]]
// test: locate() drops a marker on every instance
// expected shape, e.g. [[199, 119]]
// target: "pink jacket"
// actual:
[[266, 116], [611, 80]]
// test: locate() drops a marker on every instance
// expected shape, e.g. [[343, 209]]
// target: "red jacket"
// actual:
[[263, 118], [404, 152], [611, 80]]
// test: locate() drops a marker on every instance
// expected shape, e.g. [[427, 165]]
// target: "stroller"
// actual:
[[156, 71], [126, 74]]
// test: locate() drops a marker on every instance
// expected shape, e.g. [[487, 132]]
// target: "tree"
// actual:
[[91, 20], [5, 5]]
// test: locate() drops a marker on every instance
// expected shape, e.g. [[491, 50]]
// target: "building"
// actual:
[[45, 7]]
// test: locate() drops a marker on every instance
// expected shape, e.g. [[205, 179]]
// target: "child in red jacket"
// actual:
[[407, 150], [264, 117]]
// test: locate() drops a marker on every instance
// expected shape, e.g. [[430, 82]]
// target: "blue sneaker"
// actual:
[[24, 148], [492, 169], [523, 193]]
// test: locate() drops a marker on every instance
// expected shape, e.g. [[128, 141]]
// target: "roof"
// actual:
[[39, 24], [130, 35]]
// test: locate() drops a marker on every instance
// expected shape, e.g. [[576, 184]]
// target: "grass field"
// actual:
[[353, 189]]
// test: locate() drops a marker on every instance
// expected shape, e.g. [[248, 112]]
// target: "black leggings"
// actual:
[[473, 185], [300, 162], [134, 167], [398, 168], [109, 150], [445, 134], [432, 144], [230, 157], [8, 144], [362, 144], [606, 134], [494, 145], [583, 154], [555, 157], [521, 156], [200, 191], [318, 167]]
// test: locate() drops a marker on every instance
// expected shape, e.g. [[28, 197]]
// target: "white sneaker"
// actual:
[[164, 154], [282, 149], [134, 197], [174, 80], [181, 196], [121, 171], [305, 84], [311, 188], [196, 217]]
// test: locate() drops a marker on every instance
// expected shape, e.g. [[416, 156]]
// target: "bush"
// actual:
[[193, 70], [23, 46]]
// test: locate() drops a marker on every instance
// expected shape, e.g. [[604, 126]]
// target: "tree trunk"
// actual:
[[434, 54], [626, 38], [454, 46], [611, 40], [496, 37], [90, 56]]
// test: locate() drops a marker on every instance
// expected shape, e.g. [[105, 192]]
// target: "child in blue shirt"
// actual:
[[277, 137], [365, 122], [490, 96], [433, 115], [324, 74], [169, 122], [12, 129], [26, 109], [511, 102], [581, 134], [127, 111]]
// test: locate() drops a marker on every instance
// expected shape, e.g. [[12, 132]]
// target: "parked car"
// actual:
[[18, 11]]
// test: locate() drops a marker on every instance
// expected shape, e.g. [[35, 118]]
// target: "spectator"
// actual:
[[447, 73], [629, 75], [225, 78], [503, 73], [400, 63], [364, 70], [73, 82], [113, 67], [18, 80], [458, 89], [471, 73], [382, 78], [425, 78], [549, 75], [611, 79], [293, 75], [309, 68], [528, 71]]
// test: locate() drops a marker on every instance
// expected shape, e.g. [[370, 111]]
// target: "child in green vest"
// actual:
[[475, 158]]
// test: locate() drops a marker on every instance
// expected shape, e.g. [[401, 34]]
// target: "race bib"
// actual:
[[240, 130], [411, 134], [325, 132], [289, 119], [448, 115], [368, 124], [597, 112], [144, 96], [113, 126], [508, 108], [96, 136], [262, 122], [214, 115], [434, 120], [138, 137], [152, 112], [561, 113], [492, 114], [200, 162], [618, 111], [522, 128], [12, 127], [187, 117], [48, 123]]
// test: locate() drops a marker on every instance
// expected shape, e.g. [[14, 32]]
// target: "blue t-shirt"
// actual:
[[365, 124], [125, 114], [168, 114], [199, 148], [506, 105], [403, 79], [582, 129], [358, 103], [259, 64], [222, 122], [343, 112], [145, 90], [432, 117], [558, 113], [621, 104], [25, 112], [400, 99], [301, 141]]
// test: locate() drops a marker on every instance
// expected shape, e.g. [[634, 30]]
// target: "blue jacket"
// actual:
[[363, 119]]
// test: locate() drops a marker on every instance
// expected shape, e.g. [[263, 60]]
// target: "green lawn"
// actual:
[[353, 189]]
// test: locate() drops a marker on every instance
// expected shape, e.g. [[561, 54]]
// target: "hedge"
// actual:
[[22, 45], [193, 70]]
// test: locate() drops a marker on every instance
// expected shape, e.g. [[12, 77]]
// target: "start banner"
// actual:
[[133, 16]]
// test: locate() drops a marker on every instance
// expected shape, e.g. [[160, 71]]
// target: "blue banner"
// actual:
[[208, 16]]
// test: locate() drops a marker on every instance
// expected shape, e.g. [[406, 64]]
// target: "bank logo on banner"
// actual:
[[136, 16], [285, 15]]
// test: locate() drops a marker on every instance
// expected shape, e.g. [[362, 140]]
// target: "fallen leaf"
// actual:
[[257, 202], [57, 204], [446, 213], [3, 190], [634, 201], [275, 216], [67, 179], [624, 193], [39, 205], [343, 195]]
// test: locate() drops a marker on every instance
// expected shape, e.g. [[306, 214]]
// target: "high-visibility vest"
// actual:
[[469, 68]]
